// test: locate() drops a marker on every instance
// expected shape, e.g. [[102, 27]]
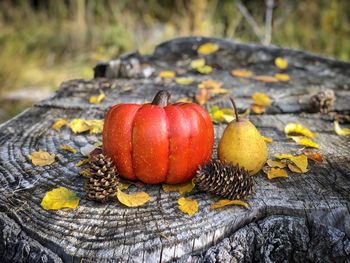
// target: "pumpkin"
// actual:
[[158, 142]]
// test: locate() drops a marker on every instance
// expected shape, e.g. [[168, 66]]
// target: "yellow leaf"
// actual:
[[59, 198], [340, 131], [305, 141], [85, 172], [184, 81], [97, 99], [202, 96], [134, 199], [219, 115], [68, 148], [281, 63], [185, 99], [82, 162], [298, 129], [267, 139], [275, 164], [294, 168], [281, 156], [197, 63], [188, 205], [273, 173], [210, 84], [123, 186], [58, 124], [95, 126], [258, 109], [266, 79], [167, 74], [241, 73], [261, 99], [205, 69], [300, 161], [219, 91], [207, 48], [41, 158], [225, 202], [79, 125], [180, 188], [282, 77]]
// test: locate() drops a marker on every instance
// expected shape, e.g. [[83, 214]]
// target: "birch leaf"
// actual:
[[267, 139], [41, 158], [205, 69], [282, 77], [276, 164], [207, 48], [167, 74], [180, 188], [340, 131], [197, 63], [188, 205], [281, 63], [258, 109], [224, 202], [305, 141], [134, 199], [316, 157], [184, 81], [210, 84], [273, 173], [202, 96], [261, 99], [97, 99], [298, 129], [294, 168], [79, 125], [266, 79], [123, 186], [300, 161], [95, 126], [59, 198], [68, 148], [241, 73], [58, 124]]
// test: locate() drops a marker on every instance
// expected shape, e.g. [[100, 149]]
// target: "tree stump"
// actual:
[[303, 218]]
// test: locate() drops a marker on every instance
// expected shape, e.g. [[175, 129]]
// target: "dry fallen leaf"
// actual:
[[281, 63], [294, 168], [41, 158], [210, 84], [298, 129], [282, 77], [180, 188], [205, 69], [301, 140], [58, 124], [59, 198], [95, 126], [261, 99], [273, 173], [197, 63], [123, 186], [184, 81], [316, 157], [202, 96], [184, 99], [188, 205], [225, 202], [221, 115], [82, 162], [266, 79], [300, 161], [207, 48], [241, 73], [68, 148], [97, 99], [276, 164], [258, 109], [79, 125], [267, 139], [340, 131], [134, 199], [167, 74]]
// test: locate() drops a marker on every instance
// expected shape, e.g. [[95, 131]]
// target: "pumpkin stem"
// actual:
[[161, 99], [234, 108]]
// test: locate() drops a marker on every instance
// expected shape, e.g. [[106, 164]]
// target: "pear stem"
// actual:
[[161, 99], [234, 108]]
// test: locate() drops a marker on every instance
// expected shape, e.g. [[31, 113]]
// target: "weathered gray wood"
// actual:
[[156, 232]]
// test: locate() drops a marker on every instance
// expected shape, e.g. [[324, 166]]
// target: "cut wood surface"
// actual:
[[305, 217]]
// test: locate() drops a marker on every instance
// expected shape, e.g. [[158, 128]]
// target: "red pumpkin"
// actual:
[[157, 142]]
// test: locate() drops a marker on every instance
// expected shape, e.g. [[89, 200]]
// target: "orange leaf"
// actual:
[[316, 157], [202, 96], [210, 84], [257, 108], [266, 79], [241, 73]]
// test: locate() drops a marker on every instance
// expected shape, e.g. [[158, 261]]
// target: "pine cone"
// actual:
[[103, 182], [224, 179], [323, 101]]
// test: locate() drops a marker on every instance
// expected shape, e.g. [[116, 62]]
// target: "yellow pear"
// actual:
[[242, 144]]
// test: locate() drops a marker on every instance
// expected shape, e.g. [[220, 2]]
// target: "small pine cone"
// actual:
[[102, 184], [323, 101], [225, 180]]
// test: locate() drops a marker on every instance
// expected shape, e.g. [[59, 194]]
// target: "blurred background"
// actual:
[[44, 42]]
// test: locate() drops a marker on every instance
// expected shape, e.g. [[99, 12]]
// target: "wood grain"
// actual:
[[314, 205]]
